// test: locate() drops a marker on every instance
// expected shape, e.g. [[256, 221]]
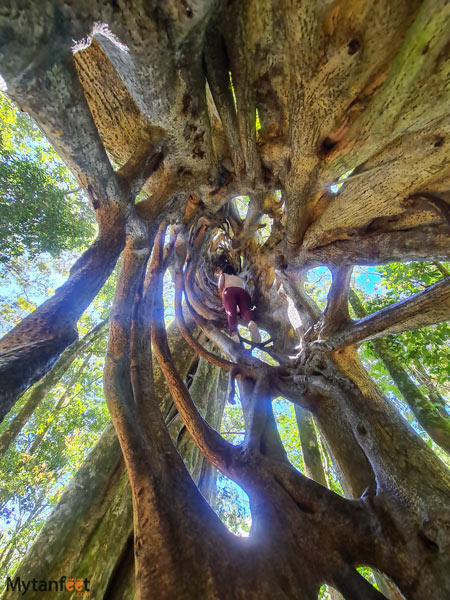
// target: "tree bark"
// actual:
[[430, 417], [380, 450], [310, 448], [29, 350], [427, 307], [98, 504], [435, 396], [68, 533], [312, 460], [50, 380], [337, 88]]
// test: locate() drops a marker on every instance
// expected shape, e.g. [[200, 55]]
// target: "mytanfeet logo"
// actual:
[[81, 586]]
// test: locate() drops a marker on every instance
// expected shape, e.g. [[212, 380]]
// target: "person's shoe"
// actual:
[[254, 332], [235, 338]]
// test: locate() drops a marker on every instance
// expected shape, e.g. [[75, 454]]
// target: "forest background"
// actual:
[[45, 224]]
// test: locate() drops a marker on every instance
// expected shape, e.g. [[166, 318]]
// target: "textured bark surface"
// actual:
[[98, 504], [310, 447], [30, 349], [333, 118]]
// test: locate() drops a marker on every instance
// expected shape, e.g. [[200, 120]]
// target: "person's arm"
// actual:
[[221, 285]]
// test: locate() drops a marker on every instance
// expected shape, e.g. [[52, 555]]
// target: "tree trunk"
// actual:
[[52, 326], [60, 404], [430, 417], [380, 450], [312, 460], [93, 502], [97, 538], [310, 447], [199, 103], [424, 378], [50, 380]]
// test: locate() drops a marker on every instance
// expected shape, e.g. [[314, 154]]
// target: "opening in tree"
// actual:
[[273, 137]]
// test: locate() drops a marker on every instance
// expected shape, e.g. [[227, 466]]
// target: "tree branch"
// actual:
[[294, 284], [213, 358], [244, 93], [29, 350], [435, 422], [50, 380], [440, 267], [146, 160], [353, 586], [45, 83], [53, 96], [257, 412], [427, 307], [336, 312], [216, 72], [231, 389], [118, 374], [421, 243], [211, 443], [309, 444]]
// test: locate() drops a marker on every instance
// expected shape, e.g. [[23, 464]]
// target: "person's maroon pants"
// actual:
[[232, 298]]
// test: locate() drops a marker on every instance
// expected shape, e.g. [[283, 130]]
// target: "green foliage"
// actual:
[[287, 427], [366, 572], [37, 216], [56, 440], [36, 212], [423, 353], [26, 283], [258, 121], [317, 284], [428, 346], [232, 506], [35, 476], [403, 279], [233, 427], [242, 204]]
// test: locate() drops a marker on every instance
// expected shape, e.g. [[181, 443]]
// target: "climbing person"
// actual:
[[234, 295]]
